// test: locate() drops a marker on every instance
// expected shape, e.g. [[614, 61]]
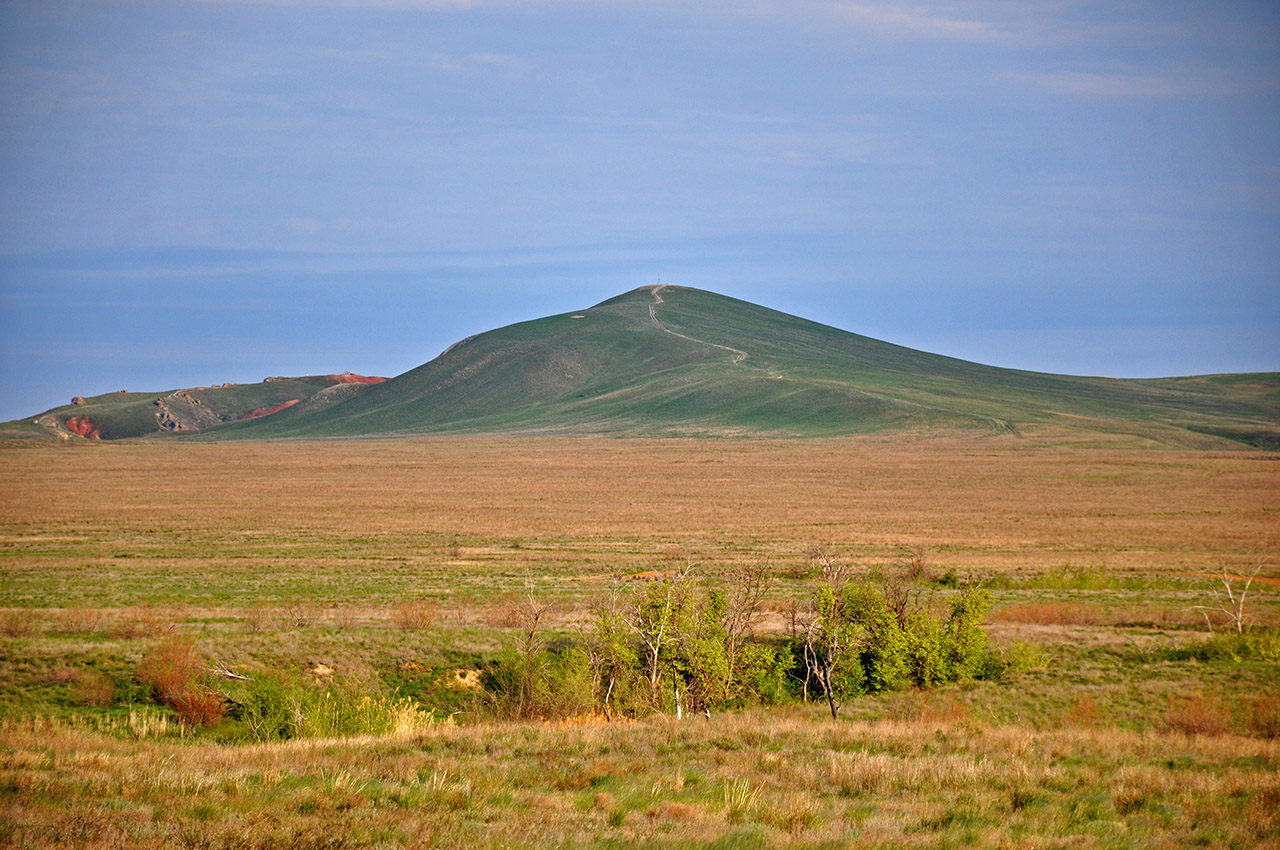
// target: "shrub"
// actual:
[[80, 620], [965, 642], [18, 622], [144, 621], [268, 708], [1198, 715], [416, 615], [763, 673], [173, 668], [200, 707], [1252, 644], [1263, 718], [174, 672], [926, 660], [884, 648], [545, 683], [1015, 657]]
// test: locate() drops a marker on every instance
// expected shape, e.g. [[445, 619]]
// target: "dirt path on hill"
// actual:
[[738, 354]]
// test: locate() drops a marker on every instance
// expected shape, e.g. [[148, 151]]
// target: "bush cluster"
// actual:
[[670, 646]]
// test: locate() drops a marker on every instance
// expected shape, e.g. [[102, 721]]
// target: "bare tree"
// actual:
[[1231, 598], [747, 588]]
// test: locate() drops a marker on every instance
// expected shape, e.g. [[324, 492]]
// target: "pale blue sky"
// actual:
[[194, 192]]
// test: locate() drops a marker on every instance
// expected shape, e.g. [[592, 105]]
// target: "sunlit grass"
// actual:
[[387, 570]]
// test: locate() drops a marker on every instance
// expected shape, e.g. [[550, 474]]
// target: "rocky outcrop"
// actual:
[[78, 400], [182, 411], [353, 378], [83, 426]]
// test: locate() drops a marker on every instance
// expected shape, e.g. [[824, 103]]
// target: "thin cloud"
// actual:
[[904, 24], [1169, 84]]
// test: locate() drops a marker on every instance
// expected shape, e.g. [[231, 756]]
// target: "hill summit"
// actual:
[[667, 361]]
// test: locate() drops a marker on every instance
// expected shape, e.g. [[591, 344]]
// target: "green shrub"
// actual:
[[964, 639], [544, 683], [884, 649], [763, 674], [927, 663], [269, 709]]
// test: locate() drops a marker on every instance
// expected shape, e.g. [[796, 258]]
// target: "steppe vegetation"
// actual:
[[374, 644]]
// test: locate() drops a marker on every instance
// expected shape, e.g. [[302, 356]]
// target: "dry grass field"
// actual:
[[391, 564]]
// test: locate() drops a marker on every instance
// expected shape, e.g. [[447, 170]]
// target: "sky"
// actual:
[[199, 191]]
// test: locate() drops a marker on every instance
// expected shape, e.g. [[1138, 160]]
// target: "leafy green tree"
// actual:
[[964, 639], [831, 642], [704, 662], [612, 656], [882, 649]]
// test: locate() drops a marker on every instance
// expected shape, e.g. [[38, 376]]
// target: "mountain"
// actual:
[[671, 360]]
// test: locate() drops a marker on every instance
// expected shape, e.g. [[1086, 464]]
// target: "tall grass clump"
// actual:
[[1257, 643], [272, 708]]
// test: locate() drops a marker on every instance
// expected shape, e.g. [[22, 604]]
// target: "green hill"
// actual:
[[123, 414], [675, 361]]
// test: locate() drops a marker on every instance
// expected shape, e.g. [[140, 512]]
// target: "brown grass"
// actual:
[[79, 620], [144, 620], [309, 536], [974, 504], [1053, 614], [93, 688], [17, 622], [1084, 712]]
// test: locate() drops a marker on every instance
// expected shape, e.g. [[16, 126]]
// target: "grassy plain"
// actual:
[[301, 556]]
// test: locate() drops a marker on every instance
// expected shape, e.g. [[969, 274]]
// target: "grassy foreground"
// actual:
[[390, 570], [932, 778]]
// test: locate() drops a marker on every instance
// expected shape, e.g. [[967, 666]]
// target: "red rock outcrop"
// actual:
[[267, 411], [84, 427], [352, 378]]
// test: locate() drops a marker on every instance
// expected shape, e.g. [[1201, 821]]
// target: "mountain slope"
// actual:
[[672, 360]]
